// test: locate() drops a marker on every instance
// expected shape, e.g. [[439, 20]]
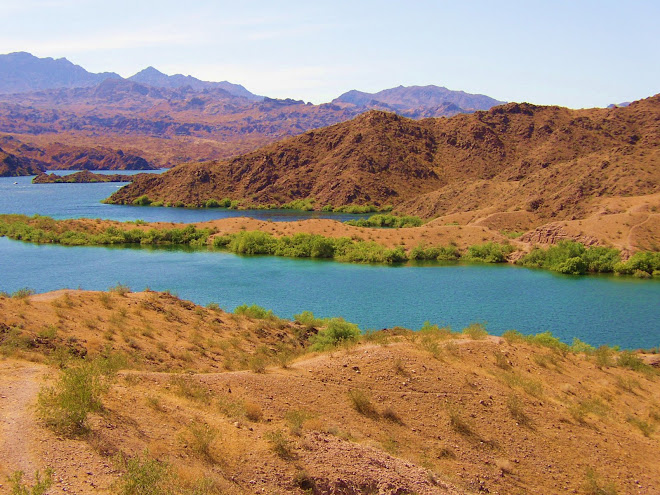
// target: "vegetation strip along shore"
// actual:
[[566, 257]]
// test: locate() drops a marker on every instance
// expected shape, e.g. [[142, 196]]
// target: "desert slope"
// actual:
[[238, 404]]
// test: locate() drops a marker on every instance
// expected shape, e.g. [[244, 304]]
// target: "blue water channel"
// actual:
[[597, 309]]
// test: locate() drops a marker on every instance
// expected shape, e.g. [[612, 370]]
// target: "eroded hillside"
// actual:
[[553, 162], [209, 402]]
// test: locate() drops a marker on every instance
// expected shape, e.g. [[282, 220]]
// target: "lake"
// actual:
[[597, 309], [84, 201]]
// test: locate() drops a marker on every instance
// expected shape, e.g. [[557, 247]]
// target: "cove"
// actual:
[[63, 201], [597, 309]]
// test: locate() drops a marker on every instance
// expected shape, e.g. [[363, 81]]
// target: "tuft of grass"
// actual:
[[645, 427], [40, 486], [254, 311], [253, 411], [23, 293], [501, 360], [296, 418], [476, 331], [459, 425], [516, 380], [184, 386], [513, 336], [585, 407], [516, 408], [142, 476], [200, 438], [604, 356], [391, 415], [120, 289], [594, 486], [362, 403], [630, 361], [280, 444]]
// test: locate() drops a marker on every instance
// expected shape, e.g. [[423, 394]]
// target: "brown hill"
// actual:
[[551, 161], [14, 166], [225, 402], [58, 156]]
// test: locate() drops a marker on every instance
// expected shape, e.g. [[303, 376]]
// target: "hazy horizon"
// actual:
[[586, 54]]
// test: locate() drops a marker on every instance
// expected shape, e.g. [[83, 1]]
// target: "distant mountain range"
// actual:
[[21, 72], [154, 77], [419, 101], [167, 120]]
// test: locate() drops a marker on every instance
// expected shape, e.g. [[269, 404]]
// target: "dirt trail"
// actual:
[[19, 386]]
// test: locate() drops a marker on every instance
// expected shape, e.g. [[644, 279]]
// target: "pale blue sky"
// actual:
[[572, 53]]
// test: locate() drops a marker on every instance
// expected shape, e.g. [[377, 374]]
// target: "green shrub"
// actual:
[[387, 221], [360, 209], [254, 311], [476, 331], [439, 253], [513, 336], [578, 346], [78, 392], [628, 359], [573, 258], [299, 204], [254, 242], [307, 318], [337, 331], [546, 339], [142, 200], [490, 252]]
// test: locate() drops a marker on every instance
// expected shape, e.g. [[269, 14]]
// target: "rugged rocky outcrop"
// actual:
[[550, 161], [83, 177], [14, 166]]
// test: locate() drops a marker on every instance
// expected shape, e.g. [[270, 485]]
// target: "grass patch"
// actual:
[[39, 487], [362, 403], [528, 385], [280, 444], [78, 393], [593, 485]]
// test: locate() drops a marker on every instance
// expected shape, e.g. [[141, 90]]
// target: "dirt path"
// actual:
[[19, 387]]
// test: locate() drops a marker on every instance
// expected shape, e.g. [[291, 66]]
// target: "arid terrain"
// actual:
[[234, 403], [552, 162]]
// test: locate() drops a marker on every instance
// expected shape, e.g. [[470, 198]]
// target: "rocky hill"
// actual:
[[179, 398], [14, 166], [58, 156], [550, 161]]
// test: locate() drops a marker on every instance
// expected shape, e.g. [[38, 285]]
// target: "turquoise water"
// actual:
[[617, 311], [84, 201]]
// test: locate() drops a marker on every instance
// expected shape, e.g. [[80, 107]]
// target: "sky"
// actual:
[[575, 53]]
